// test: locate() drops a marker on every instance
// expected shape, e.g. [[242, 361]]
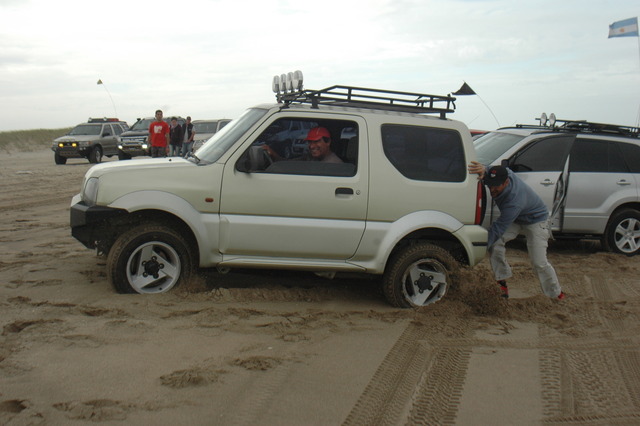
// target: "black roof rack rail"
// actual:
[[584, 126], [360, 97]]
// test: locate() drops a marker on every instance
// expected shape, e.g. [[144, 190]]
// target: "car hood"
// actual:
[[135, 133], [143, 164], [76, 138]]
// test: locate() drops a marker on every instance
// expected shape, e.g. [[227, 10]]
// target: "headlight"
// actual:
[[90, 192]]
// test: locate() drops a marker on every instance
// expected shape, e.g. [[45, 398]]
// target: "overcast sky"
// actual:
[[214, 58]]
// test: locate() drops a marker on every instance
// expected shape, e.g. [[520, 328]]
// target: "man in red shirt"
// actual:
[[159, 136]]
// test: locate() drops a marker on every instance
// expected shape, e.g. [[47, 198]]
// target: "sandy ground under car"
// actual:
[[291, 348]]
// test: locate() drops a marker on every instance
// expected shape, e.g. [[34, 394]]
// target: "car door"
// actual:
[[599, 181], [296, 213], [540, 164], [108, 140]]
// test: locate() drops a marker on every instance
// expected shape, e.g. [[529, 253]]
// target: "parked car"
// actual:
[[587, 173], [205, 129], [133, 143], [401, 204], [90, 140]]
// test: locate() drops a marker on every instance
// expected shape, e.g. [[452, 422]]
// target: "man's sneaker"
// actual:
[[561, 296], [504, 288]]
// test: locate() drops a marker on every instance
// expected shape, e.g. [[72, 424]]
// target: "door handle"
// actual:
[[623, 182], [344, 191], [547, 182]]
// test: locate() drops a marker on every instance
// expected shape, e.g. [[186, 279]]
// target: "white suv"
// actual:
[[590, 170], [401, 204]]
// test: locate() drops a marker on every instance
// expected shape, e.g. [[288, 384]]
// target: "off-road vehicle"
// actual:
[[587, 173], [401, 204], [133, 143], [90, 140]]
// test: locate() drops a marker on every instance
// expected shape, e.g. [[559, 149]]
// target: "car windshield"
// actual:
[[492, 145], [83, 130], [205, 127], [142, 124], [213, 149]]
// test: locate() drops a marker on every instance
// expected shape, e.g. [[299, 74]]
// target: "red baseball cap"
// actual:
[[317, 133]]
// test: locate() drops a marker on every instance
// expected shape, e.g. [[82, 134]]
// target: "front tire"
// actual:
[[123, 156], [418, 275], [95, 156], [59, 159], [622, 234], [149, 259]]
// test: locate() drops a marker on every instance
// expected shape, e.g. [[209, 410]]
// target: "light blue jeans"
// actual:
[[537, 236], [186, 149]]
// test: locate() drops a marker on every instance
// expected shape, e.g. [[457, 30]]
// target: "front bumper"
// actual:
[[91, 224], [70, 152]]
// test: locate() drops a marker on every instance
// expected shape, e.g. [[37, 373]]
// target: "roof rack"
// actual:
[[361, 97], [581, 126], [590, 127], [102, 120]]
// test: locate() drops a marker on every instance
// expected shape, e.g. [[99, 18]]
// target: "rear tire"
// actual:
[[418, 275], [150, 258], [59, 159], [622, 234], [95, 155]]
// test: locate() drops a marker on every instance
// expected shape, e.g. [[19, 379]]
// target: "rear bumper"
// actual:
[[474, 238]]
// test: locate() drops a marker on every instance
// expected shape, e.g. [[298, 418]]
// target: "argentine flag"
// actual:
[[626, 28]]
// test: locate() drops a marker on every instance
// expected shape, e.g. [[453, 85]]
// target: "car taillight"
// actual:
[[480, 203]]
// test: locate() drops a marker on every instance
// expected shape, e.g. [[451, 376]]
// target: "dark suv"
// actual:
[[587, 173], [91, 140], [133, 142]]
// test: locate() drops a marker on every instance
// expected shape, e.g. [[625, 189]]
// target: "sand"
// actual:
[[291, 348]]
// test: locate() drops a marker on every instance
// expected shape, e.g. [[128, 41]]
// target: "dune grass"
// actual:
[[29, 140]]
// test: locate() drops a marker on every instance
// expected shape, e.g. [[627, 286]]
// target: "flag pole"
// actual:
[[112, 103], [485, 104]]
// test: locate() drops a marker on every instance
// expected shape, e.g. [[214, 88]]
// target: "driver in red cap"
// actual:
[[319, 140]]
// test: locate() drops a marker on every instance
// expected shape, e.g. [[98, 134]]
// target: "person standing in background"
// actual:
[[159, 136], [187, 140], [175, 138]]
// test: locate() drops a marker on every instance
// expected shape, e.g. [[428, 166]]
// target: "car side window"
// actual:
[[544, 155], [596, 156], [117, 129], [631, 155], [425, 153], [289, 151], [106, 130]]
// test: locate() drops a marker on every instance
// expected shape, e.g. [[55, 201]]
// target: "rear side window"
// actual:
[[425, 153], [594, 156], [631, 154]]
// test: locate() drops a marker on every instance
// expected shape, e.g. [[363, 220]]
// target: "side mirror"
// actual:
[[504, 163], [255, 159]]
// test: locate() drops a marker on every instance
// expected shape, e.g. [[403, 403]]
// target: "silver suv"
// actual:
[[90, 140], [400, 204], [590, 170]]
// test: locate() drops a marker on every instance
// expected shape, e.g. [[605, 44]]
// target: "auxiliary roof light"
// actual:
[[290, 82], [551, 120], [543, 119]]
